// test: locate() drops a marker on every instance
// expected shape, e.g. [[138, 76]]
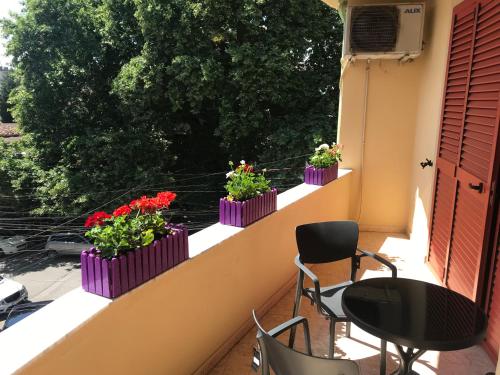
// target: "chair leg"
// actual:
[[383, 356], [296, 307], [331, 349], [264, 363], [348, 329]]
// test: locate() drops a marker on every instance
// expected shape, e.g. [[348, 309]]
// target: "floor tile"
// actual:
[[361, 347]]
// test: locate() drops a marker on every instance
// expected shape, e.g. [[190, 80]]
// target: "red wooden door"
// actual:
[[474, 172], [456, 91], [467, 148], [468, 162]]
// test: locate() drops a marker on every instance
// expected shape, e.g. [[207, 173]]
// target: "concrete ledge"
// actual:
[[217, 233], [33, 335]]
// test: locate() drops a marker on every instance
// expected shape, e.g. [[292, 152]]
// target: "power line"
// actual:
[[43, 229], [82, 215], [192, 176]]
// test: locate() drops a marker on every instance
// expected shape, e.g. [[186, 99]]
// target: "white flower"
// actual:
[[324, 146], [242, 162], [229, 174]]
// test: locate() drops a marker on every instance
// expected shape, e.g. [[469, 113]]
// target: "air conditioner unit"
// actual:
[[389, 31]]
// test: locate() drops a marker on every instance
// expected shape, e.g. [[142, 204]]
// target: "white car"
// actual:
[[12, 245], [11, 293], [67, 243]]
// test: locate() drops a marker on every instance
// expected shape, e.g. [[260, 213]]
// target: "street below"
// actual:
[[45, 276]]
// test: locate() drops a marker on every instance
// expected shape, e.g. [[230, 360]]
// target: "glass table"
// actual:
[[414, 314]]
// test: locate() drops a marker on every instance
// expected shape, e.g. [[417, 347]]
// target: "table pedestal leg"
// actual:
[[383, 356], [407, 358]]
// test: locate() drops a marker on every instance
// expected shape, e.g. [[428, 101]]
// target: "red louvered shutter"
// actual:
[[459, 64], [489, 65], [477, 156], [467, 147], [468, 162]]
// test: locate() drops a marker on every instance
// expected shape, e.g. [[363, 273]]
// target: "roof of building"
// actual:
[[9, 130]]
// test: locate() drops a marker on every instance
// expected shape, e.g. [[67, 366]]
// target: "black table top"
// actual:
[[414, 313]]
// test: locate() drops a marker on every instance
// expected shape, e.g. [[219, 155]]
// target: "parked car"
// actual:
[[21, 311], [11, 293], [67, 243], [12, 245]]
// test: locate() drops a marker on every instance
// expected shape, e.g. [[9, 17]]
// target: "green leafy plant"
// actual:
[[132, 225], [244, 183], [325, 155]]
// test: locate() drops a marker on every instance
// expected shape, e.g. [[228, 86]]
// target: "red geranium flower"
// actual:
[[122, 210], [164, 199], [145, 204], [150, 205], [245, 168], [97, 218]]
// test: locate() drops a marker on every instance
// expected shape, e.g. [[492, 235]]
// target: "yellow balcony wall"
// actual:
[[184, 320], [392, 193]]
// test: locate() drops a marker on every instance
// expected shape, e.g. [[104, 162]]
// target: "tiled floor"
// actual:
[[361, 347]]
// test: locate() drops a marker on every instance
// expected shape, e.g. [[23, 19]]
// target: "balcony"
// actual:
[[195, 318]]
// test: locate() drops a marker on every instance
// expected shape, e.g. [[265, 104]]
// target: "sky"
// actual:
[[7, 6]]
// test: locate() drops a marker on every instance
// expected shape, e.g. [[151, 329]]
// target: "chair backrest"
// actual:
[[327, 241], [286, 361]]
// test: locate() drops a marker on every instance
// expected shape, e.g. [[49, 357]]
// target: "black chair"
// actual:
[[324, 243], [286, 361]]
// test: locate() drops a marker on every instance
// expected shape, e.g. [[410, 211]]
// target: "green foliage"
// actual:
[[7, 84], [115, 236], [237, 78], [6, 162], [66, 56], [244, 183], [18, 172], [124, 233], [325, 156], [113, 94]]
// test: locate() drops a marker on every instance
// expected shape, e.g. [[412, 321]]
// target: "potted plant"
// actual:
[[131, 246], [249, 198], [323, 165]]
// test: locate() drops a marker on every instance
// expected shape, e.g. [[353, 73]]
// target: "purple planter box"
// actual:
[[320, 176], [113, 277], [241, 214]]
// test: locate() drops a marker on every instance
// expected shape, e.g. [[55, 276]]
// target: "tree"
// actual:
[[119, 93], [7, 84], [248, 78], [66, 54], [17, 176]]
